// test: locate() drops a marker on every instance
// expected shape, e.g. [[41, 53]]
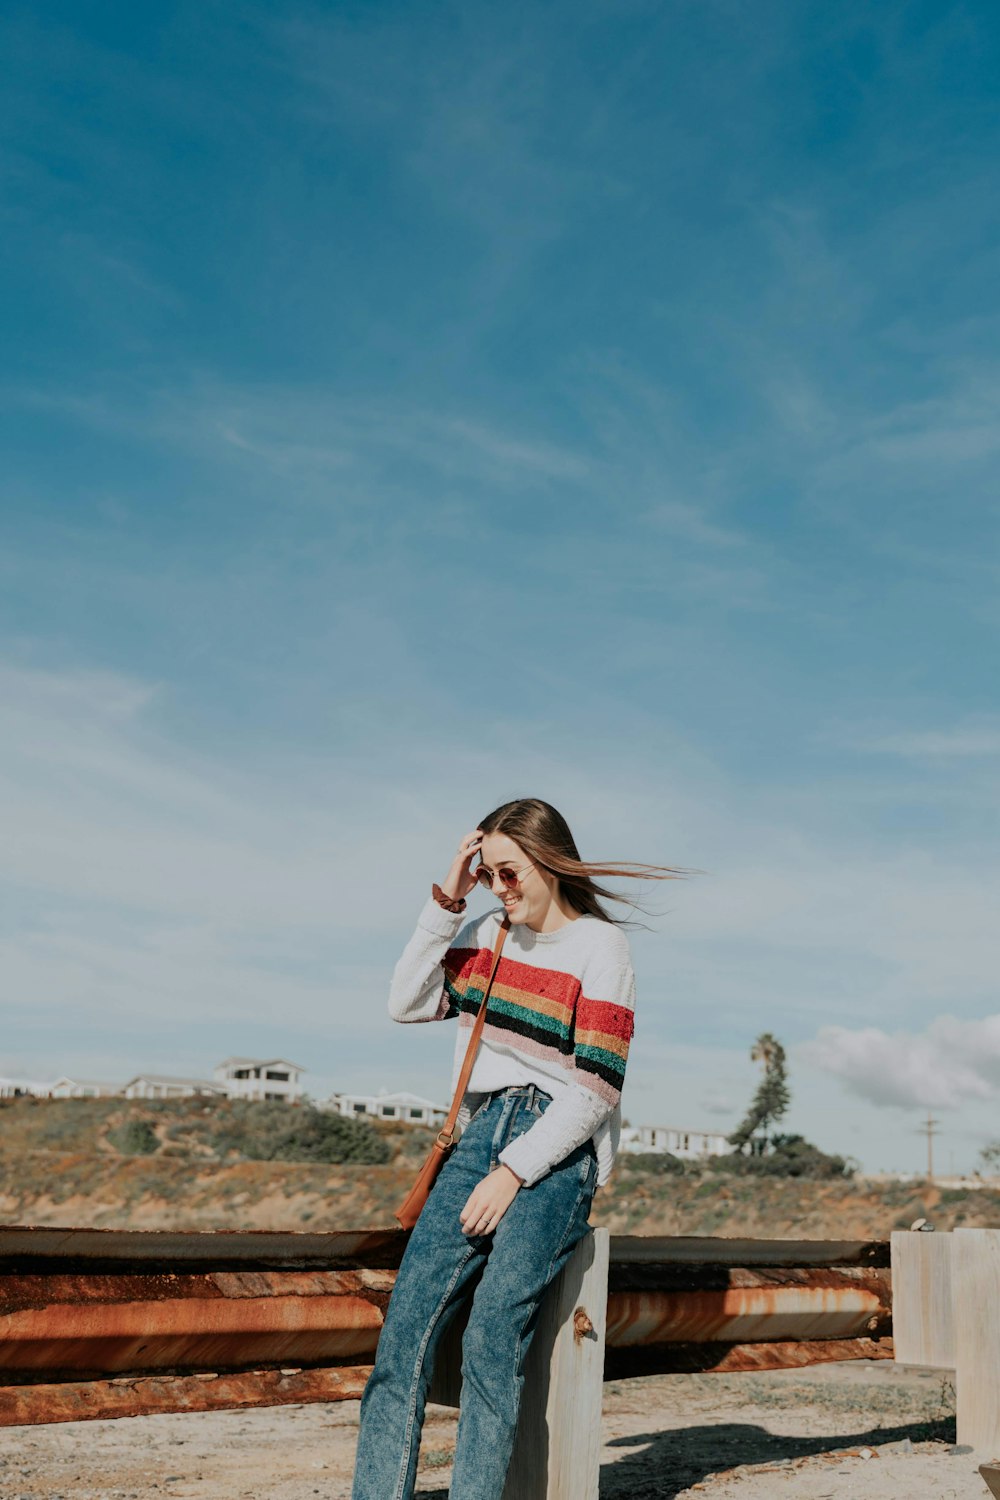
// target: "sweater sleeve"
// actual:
[[603, 1028], [440, 948]]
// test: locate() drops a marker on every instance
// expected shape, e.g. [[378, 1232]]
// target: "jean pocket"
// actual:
[[480, 1108]]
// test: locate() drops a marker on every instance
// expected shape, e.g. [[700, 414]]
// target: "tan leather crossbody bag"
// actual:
[[408, 1211]]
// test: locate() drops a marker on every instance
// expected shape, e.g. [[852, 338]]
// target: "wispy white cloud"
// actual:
[[968, 741], [950, 1064], [693, 524], [314, 432]]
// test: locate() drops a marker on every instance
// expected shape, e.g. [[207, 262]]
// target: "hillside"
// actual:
[[59, 1164]]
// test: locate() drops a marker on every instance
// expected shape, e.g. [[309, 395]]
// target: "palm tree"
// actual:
[[771, 1099]]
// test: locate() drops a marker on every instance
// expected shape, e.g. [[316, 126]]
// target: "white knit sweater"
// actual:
[[560, 1015]]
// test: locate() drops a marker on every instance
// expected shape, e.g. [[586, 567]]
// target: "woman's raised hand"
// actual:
[[460, 877]]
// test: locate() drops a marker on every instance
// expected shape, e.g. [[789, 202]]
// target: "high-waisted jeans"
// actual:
[[505, 1272]]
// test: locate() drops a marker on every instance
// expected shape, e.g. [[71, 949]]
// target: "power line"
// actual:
[[929, 1128]]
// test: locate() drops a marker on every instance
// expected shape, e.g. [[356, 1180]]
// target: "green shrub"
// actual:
[[134, 1138], [315, 1135], [275, 1131], [789, 1156], [657, 1163]]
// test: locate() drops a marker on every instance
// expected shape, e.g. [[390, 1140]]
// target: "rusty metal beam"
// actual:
[[78, 1324], [29, 1248], [663, 1276], [26, 1247], [76, 1401], [727, 1359], [24, 1291], [721, 1250], [192, 1319], [742, 1305]]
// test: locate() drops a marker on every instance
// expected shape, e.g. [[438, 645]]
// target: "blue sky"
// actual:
[[406, 407]]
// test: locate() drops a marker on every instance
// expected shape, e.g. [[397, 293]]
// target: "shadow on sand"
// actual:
[[671, 1461]]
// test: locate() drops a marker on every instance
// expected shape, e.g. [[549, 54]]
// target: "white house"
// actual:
[[81, 1088], [410, 1108], [159, 1086], [18, 1088], [689, 1145], [260, 1078]]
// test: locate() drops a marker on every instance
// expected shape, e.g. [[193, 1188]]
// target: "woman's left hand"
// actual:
[[489, 1201]]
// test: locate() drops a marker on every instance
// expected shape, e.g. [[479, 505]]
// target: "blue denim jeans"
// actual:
[[505, 1273]]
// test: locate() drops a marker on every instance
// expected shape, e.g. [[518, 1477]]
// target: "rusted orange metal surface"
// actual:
[[77, 1401], [214, 1319], [228, 1320], [750, 1305], [727, 1359]]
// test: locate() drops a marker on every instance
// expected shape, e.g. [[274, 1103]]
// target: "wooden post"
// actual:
[[976, 1292], [557, 1450], [991, 1475], [923, 1325]]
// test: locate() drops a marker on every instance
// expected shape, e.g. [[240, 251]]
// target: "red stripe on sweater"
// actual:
[[553, 984], [605, 1015], [461, 961]]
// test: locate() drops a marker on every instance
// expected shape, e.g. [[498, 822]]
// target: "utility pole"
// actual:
[[930, 1127]]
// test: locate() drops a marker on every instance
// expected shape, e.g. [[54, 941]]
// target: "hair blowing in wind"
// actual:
[[544, 835]]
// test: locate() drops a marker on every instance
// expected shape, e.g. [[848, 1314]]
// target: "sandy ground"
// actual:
[[868, 1430]]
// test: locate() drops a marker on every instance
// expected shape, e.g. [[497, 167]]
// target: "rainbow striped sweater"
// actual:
[[560, 1015]]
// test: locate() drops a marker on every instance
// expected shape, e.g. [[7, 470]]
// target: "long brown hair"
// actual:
[[544, 835]]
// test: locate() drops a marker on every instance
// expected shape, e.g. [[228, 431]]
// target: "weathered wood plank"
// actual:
[[991, 1475], [976, 1300], [923, 1321], [558, 1446]]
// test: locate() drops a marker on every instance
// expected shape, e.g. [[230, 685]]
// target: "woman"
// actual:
[[541, 1124]]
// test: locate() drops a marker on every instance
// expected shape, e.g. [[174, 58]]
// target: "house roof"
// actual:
[[87, 1083], [260, 1062], [201, 1083], [401, 1098]]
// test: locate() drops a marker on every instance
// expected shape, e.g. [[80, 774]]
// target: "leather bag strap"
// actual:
[[447, 1131]]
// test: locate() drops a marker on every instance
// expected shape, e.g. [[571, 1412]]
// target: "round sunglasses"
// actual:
[[510, 878]]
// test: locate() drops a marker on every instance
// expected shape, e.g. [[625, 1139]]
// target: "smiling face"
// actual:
[[532, 895]]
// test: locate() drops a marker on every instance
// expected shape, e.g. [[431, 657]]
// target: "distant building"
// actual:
[[260, 1078], [410, 1108], [81, 1088], [159, 1086], [690, 1145], [19, 1088]]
